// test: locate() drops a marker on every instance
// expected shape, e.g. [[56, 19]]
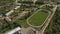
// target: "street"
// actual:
[[48, 21]]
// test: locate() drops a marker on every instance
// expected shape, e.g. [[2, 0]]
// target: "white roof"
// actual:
[[13, 31], [18, 4], [17, 7], [10, 12]]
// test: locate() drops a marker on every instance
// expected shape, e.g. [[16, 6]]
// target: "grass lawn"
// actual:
[[38, 18], [22, 22], [3, 11]]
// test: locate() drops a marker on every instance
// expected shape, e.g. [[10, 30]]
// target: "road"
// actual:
[[48, 21]]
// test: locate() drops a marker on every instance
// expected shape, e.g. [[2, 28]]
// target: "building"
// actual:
[[9, 13], [19, 30], [14, 31]]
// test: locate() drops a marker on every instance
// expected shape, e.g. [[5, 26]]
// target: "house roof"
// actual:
[[13, 31]]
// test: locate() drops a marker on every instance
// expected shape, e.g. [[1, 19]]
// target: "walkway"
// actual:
[[33, 15], [48, 21]]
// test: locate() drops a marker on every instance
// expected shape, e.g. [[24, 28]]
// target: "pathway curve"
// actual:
[[48, 21], [33, 15]]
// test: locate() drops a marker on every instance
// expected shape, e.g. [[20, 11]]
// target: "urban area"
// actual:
[[29, 16]]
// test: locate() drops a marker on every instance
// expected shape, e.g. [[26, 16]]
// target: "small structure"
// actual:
[[17, 7], [14, 31], [10, 12], [18, 4]]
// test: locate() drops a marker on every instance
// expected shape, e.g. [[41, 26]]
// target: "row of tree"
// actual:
[[54, 27]]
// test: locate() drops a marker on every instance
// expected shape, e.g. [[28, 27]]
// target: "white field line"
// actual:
[[33, 15]]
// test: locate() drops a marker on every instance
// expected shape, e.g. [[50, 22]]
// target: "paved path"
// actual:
[[33, 15], [48, 21]]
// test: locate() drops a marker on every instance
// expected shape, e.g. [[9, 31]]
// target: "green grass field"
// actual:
[[22, 22], [3, 11], [38, 18]]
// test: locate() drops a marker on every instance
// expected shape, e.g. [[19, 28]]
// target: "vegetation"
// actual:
[[38, 18], [46, 7], [25, 1], [5, 26], [54, 27], [5, 6], [5, 2], [22, 22], [56, 1], [40, 0], [18, 11]]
